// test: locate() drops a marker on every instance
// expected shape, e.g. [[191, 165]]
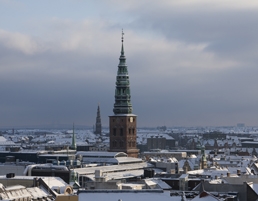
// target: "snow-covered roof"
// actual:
[[119, 175], [36, 193], [128, 160], [112, 168], [210, 172], [157, 182], [4, 141], [254, 186], [101, 154], [54, 182], [126, 195]]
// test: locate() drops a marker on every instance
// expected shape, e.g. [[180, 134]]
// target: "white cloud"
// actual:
[[20, 42]]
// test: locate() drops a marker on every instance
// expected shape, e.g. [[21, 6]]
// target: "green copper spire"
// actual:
[[73, 140], [123, 103]]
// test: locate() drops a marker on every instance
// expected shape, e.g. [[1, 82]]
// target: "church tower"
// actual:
[[203, 162], [122, 125], [98, 128]]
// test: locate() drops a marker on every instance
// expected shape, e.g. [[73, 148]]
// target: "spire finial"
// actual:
[[123, 35], [122, 49]]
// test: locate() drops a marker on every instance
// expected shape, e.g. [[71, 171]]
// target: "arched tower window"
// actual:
[[134, 144]]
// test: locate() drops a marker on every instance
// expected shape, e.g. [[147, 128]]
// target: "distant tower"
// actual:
[[73, 146], [122, 125], [186, 166], [98, 128], [203, 162]]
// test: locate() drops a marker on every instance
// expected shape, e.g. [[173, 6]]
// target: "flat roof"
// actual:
[[99, 154], [162, 152], [126, 195], [249, 142], [112, 168], [55, 155], [118, 160], [119, 175]]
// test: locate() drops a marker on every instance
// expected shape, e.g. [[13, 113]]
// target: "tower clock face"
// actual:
[[131, 119]]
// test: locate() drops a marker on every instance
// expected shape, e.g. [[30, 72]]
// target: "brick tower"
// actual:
[[123, 124]]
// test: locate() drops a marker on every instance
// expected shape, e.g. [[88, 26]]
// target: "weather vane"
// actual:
[[123, 35]]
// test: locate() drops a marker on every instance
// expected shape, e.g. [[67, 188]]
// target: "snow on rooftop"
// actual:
[[127, 195], [101, 154], [158, 182], [254, 187], [37, 193], [54, 182]]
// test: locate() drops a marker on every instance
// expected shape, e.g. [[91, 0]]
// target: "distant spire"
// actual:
[[73, 140], [98, 129]]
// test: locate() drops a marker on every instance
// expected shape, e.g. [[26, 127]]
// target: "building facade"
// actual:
[[123, 124], [159, 142]]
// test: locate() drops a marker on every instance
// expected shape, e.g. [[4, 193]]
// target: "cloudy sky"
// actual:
[[191, 63]]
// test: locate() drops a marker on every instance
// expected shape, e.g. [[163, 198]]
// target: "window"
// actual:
[[114, 131], [114, 143], [129, 130], [130, 144], [121, 131], [121, 143]]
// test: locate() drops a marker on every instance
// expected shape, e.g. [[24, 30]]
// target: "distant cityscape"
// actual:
[[123, 161]]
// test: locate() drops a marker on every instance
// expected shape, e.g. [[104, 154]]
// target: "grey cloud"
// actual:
[[66, 81], [228, 33]]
